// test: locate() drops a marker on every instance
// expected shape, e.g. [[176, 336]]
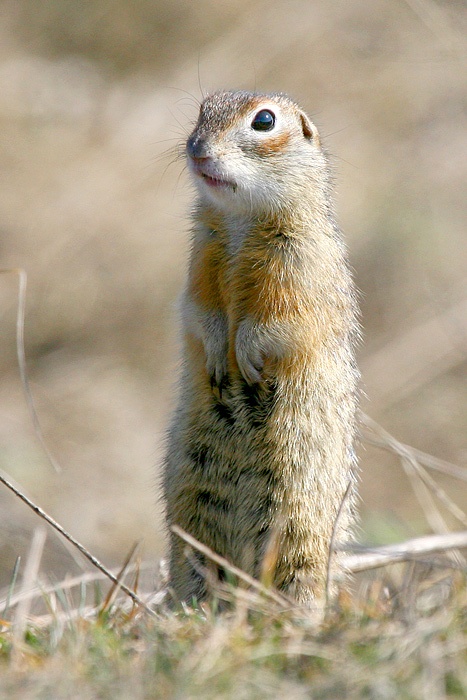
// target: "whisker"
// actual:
[[182, 126], [199, 81], [195, 99]]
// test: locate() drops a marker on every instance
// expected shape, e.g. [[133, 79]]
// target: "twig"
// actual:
[[405, 551], [66, 584], [425, 499], [113, 592], [21, 355], [77, 558], [77, 544], [333, 540], [279, 598], [29, 578], [422, 483], [428, 504], [440, 493], [8, 599], [435, 463], [88, 611]]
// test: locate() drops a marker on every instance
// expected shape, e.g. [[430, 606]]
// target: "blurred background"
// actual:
[[92, 98]]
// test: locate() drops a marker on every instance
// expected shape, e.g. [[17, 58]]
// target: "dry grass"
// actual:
[[400, 635]]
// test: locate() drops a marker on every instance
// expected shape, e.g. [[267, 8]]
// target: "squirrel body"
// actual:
[[260, 449]]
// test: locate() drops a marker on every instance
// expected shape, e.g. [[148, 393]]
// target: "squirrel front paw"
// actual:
[[250, 363], [216, 346], [216, 366], [250, 352], [257, 344]]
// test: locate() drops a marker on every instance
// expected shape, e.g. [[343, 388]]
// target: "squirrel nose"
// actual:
[[197, 148]]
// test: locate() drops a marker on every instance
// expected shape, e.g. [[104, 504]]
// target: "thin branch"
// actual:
[[279, 598], [428, 504], [405, 551], [425, 499], [333, 540], [66, 584], [29, 578], [113, 592], [11, 587], [21, 355], [422, 483], [440, 493], [430, 461], [41, 513], [77, 558]]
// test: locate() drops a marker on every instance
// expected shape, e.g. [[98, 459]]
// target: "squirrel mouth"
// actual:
[[217, 182], [204, 170]]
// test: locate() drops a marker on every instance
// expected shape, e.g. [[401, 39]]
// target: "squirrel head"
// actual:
[[253, 153]]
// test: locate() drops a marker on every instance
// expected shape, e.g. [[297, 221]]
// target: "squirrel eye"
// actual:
[[264, 121]]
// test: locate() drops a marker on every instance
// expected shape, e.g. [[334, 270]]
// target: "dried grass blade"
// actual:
[[94, 561], [30, 575], [21, 355], [220, 561], [116, 585], [405, 551]]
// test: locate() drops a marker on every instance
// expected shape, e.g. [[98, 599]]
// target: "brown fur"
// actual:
[[261, 445]]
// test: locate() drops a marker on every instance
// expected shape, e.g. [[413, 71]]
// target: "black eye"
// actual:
[[263, 121]]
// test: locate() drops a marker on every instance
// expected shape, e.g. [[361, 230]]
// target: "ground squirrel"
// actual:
[[261, 444]]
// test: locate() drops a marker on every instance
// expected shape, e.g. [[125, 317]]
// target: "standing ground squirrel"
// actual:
[[261, 444]]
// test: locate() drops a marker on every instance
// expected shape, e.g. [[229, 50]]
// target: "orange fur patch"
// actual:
[[207, 275], [273, 145]]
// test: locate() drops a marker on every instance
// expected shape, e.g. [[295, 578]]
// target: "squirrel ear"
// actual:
[[309, 129]]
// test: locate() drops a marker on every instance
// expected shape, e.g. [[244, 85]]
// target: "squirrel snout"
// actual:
[[198, 148]]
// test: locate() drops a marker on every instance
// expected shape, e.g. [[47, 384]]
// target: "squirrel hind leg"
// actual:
[[194, 579], [187, 582]]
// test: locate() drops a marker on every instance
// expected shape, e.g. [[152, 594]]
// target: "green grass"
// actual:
[[398, 637]]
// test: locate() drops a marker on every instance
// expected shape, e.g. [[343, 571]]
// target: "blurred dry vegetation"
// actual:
[[92, 94]]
